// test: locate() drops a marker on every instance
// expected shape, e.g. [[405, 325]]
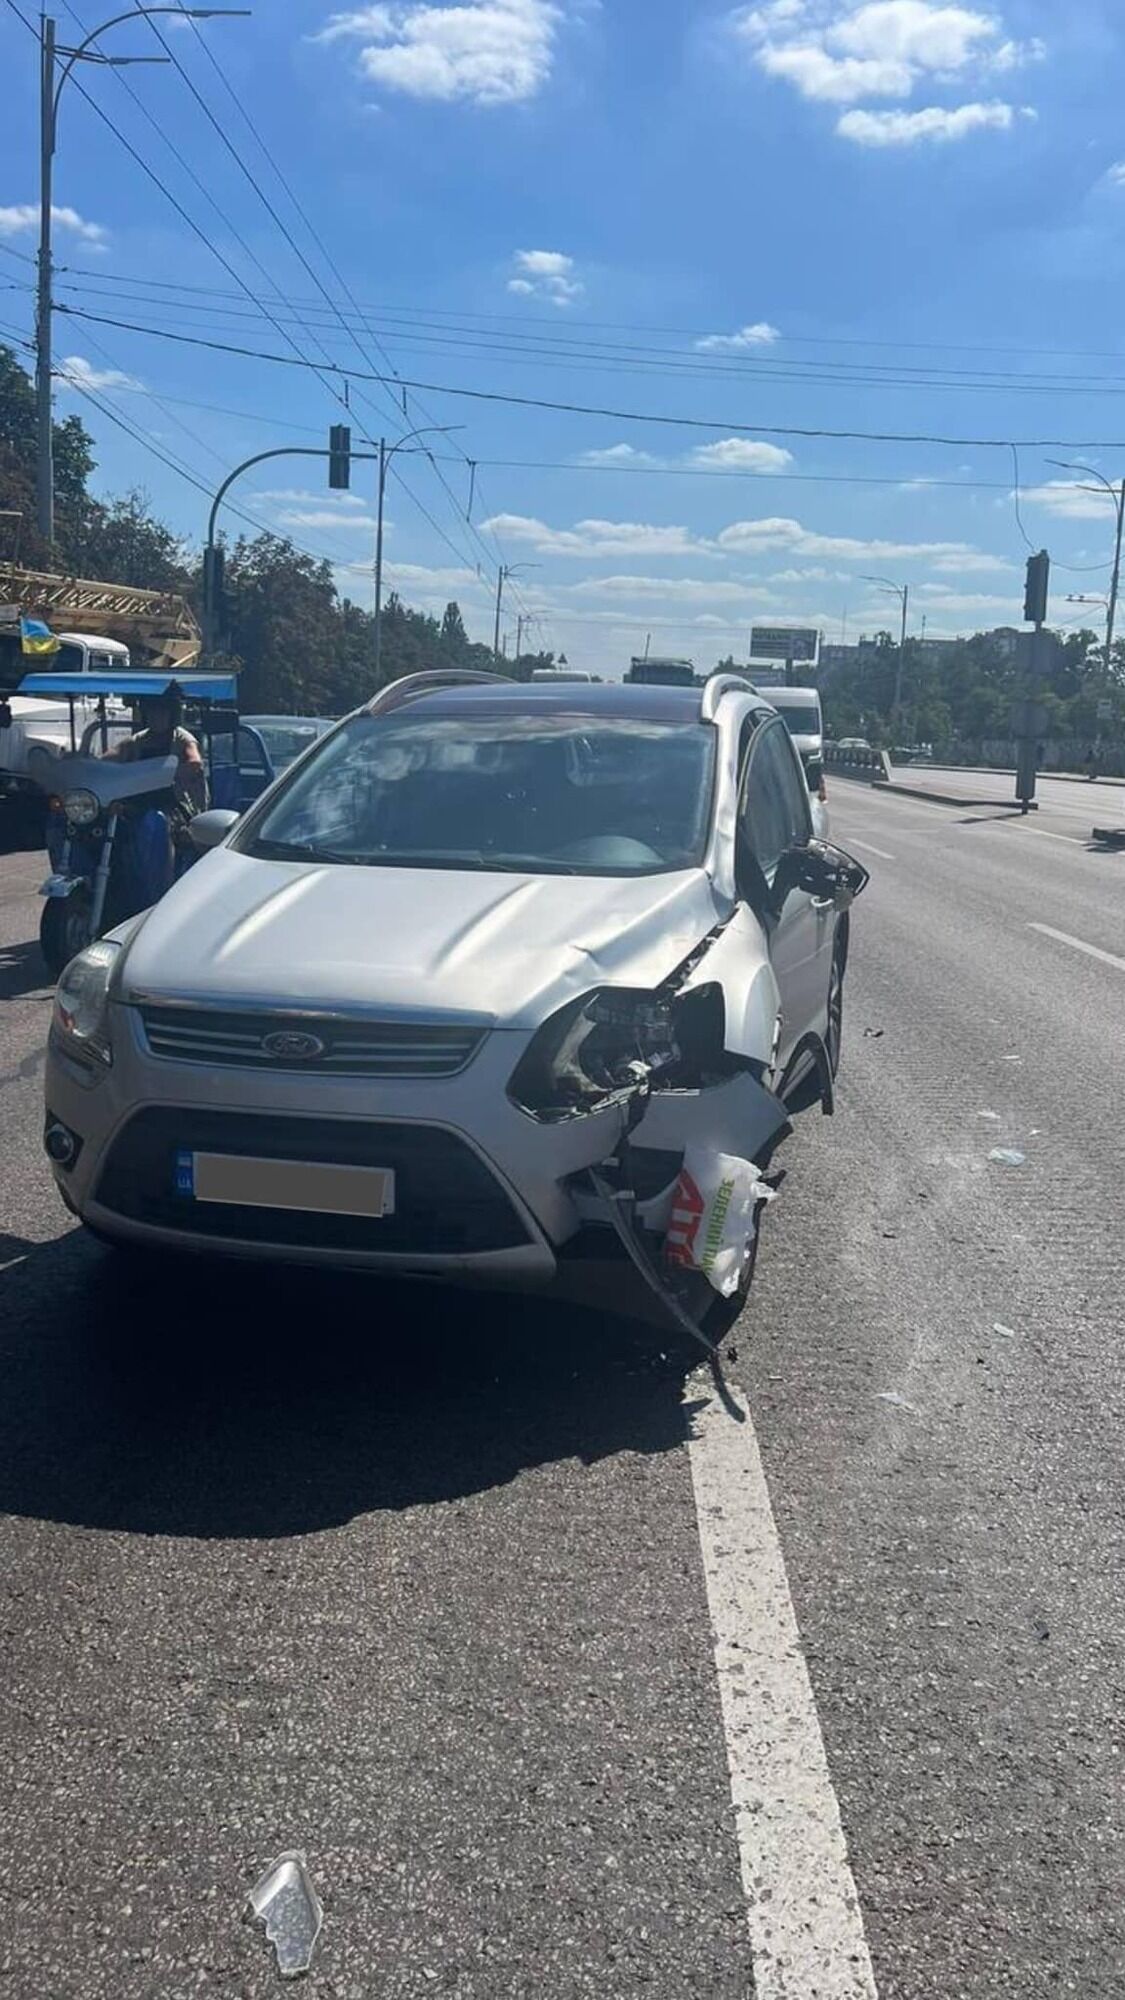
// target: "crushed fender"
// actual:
[[284, 1900]]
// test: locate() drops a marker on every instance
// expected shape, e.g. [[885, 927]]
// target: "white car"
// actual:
[[463, 984]]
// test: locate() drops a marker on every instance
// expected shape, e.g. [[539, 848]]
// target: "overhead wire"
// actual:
[[664, 418]]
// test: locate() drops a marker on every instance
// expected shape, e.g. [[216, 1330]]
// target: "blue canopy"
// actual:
[[200, 687]]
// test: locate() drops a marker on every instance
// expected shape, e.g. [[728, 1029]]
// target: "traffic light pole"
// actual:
[[210, 593]]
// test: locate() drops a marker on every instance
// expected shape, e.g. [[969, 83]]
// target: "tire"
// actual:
[[65, 929], [833, 1040]]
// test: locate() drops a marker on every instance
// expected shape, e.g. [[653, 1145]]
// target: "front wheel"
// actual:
[[65, 929]]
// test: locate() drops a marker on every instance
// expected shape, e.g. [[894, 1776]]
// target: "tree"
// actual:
[[123, 542], [74, 462]]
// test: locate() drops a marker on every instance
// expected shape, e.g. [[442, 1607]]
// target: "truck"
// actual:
[[116, 628], [661, 672]]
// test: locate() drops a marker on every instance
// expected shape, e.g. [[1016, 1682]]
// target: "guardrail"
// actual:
[[873, 765]]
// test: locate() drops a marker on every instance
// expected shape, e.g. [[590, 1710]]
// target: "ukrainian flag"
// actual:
[[37, 639]]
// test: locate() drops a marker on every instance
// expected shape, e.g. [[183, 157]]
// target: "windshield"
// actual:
[[803, 720], [551, 794]]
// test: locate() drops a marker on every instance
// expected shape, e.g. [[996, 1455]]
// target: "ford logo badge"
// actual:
[[290, 1047]]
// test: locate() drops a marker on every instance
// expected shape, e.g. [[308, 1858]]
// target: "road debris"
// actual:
[[1007, 1156], [993, 1117], [898, 1402], [714, 1216], [284, 1900], [1005, 1332], [874, 1034]]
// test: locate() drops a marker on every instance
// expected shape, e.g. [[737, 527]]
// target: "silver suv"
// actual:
[[469, 976]]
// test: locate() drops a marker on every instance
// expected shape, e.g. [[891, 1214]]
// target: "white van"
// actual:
[[35, 722], [799, 709]]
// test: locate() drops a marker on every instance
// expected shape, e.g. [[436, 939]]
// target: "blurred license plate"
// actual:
[[311, 1187]]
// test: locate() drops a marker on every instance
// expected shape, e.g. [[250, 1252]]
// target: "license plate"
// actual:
[[310, 1187]]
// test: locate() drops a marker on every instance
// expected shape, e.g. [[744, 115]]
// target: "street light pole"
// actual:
[[49, 95], [1117, 495], [385, 457], [902, 592]]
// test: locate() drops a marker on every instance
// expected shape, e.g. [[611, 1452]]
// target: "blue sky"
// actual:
[[896, 217]]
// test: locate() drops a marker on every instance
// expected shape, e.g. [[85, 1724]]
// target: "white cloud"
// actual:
[[21, 219], [832, 51], [761, 334], [908, 128], [416, 577], [1068, 500], [298, 495], [742, 455], [619, 454], [595, 538], [661, 589], [546, 274], [939, 598], [1115, 176], [970, 562], [325, 518], [752, 537], [78, 373], [482, 51], [810, 575]]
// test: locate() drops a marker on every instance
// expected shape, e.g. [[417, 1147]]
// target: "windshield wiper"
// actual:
[[295, 850]]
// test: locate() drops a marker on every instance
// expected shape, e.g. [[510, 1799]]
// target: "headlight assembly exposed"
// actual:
[[81, 1012], [604, 1046]]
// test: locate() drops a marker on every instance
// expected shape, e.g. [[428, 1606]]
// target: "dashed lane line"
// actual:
[[806, 1927], [1079, 944], [869, 847]]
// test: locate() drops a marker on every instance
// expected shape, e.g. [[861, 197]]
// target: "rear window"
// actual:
[[803, 720]]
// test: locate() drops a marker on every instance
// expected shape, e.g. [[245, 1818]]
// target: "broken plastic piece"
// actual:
[[1007, 1156], [873, 1034], [993, 1117], [1005, 1332], [899, 1401], [285, 1901], [714, 1216]]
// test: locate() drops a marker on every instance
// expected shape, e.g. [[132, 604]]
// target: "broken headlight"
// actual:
[[613, 1042]]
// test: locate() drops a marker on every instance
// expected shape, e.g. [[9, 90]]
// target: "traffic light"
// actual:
[[340, 457], [1035, 595]]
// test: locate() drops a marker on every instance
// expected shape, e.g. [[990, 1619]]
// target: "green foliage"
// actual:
[[964, 692]]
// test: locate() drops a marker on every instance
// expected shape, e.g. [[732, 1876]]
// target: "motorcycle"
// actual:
[[111, 848]]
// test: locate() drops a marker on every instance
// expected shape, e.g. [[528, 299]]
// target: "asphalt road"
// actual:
[[1074, 800], [414, 1581]]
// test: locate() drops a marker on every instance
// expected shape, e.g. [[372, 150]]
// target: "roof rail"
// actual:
[[411, 686], [717, 686]]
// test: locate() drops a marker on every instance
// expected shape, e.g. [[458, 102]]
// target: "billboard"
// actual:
[[785, 642]]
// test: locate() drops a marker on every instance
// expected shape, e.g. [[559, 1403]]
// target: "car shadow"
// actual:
[[22, 970], [206, 1399]]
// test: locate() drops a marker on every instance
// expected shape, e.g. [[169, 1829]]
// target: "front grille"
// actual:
[[348, 1047], [447, 1201]]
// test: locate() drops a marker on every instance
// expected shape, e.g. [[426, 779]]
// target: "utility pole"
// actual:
[[49, 95], [519, 636], [902, 592], [385, 457], [1117, 495], [1030, 713], [45, 455], [503, 573]]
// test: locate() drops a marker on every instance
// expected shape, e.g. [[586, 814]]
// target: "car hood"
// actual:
[[456, 944]]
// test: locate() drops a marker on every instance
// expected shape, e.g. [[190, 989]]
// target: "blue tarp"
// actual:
[[209, 687]]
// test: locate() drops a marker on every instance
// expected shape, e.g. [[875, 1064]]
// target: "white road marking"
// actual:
[[1077, 944], [806, 1927], [869, 847], [1041, 833]]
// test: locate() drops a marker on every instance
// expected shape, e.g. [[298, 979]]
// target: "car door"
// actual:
[[774, 817]]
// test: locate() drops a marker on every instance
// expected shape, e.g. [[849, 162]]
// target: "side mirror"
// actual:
[[825, 873], [209, 829]]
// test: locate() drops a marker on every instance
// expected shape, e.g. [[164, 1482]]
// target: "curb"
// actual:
[[946, 798]]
